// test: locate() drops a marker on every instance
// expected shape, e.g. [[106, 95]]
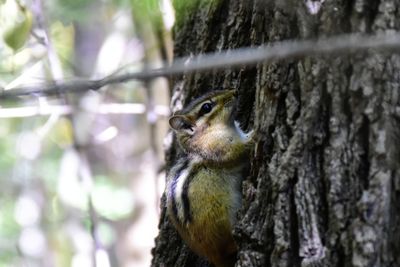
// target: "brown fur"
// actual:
[[217, 152]]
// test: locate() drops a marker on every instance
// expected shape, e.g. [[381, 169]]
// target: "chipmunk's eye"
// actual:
[[205, 108]]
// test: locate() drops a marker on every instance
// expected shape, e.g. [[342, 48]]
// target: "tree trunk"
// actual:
[[324, 187]]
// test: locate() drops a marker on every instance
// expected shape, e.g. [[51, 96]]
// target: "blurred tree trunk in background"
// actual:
[[324, 189], [88, 40]]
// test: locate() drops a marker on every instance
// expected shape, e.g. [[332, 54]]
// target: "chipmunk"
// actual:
[[204, 186]]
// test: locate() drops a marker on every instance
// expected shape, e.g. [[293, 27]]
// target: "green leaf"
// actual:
[[18, 33]]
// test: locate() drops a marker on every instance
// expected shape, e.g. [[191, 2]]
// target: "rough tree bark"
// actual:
[[324, 189]]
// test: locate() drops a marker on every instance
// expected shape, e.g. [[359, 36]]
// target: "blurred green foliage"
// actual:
[[146, 11], [62, 36], [16, 35], [9, 230], [36, 163], [68, 11], [111, 201]]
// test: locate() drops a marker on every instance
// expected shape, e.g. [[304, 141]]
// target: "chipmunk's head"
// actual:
[[205, 127]]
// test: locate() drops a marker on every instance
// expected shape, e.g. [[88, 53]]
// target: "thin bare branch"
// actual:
[[342, 44]]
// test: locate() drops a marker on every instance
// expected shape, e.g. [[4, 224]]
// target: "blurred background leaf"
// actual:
[[53, 165], [16, 35]]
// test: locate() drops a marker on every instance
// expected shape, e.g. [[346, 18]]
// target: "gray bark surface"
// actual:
[[324, 187]]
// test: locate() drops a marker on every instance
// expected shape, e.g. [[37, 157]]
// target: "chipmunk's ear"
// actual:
[[181, 123]]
